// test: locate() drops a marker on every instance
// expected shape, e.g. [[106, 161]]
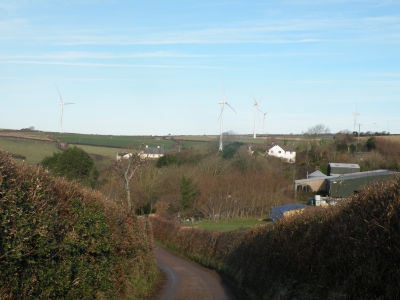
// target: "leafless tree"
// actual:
[[317, 131], [126, 167]]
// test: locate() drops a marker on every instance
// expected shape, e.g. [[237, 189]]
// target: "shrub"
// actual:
[[61, 241], [73, 163]]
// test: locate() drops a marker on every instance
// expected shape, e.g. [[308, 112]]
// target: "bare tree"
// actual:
[[127, 166]]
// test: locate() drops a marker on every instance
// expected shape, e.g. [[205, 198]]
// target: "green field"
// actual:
[[34, 151], [115, 141], [35, 135], [227, 225]]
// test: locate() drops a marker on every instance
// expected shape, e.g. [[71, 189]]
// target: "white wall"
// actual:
[[279, 152]]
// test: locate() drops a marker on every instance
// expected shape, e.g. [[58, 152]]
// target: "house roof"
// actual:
[[122, 154], [286, 148], [153, 150]]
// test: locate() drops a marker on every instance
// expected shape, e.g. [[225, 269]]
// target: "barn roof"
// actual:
[[341, 165], [317, 174], [278, 211]]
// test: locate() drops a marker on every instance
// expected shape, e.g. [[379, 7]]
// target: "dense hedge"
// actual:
[[347, 252], [61, 241]]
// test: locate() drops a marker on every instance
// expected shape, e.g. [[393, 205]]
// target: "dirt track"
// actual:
[[187, 280]]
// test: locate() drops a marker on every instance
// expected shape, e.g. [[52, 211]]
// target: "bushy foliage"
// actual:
[[351, 251], [74, 164], [61, 241], [219, 188], [370, 144], [167, 160], [230, 150], [188, 192]]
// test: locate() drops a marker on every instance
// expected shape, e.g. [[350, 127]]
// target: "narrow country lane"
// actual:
[[187, 280]]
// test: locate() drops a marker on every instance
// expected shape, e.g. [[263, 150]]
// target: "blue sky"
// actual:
[[157, 67]]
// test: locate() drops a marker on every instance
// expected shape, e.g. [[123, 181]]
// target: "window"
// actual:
[[279, 151]]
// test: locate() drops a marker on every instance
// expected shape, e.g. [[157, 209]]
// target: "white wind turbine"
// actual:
[[62, 103], [355, 118], [256, 104], [265, 115], [375, 125], [221, 116]]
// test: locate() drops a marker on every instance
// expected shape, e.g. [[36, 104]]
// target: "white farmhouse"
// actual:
[[287, 153], [152, 152]]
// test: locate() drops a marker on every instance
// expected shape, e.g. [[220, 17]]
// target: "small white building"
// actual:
[[124, 155], [287, 153]]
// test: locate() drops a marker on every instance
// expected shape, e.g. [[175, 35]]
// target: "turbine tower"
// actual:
[[62, 103], [256, 104], [355, 118], [221, 116]]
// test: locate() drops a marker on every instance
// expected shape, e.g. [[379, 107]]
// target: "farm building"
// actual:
[[340, 169], [348, 184], [281, 211], [340, 186], [316, 184]]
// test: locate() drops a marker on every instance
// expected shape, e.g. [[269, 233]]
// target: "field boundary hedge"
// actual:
[[59, 240]]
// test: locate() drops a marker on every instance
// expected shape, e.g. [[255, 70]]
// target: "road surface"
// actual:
[[188, 280]]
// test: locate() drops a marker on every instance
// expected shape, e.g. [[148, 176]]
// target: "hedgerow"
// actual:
[[348, 252], [59, 240]]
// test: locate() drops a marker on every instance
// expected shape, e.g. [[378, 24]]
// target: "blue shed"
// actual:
[[277, 212]]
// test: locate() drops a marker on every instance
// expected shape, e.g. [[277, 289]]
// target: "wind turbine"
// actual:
[[256, 104], [355, 118], [375, 125], [62, 103], [265, 115], [221, 116]]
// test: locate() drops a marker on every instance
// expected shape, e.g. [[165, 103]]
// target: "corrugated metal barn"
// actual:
[[348, 184]]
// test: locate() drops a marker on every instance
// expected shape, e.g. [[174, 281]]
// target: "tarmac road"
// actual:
[[188, 280]]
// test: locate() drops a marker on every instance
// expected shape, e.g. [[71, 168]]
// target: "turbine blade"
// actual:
[[223, 89], [230, 107], [59, 94], [255, 101]]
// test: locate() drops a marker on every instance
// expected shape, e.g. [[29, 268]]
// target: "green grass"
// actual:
[[37, 135], [113, 141], [227, 225], [103, 151], [34, 151]]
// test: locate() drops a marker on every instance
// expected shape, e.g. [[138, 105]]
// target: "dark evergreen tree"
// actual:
[[74, 164]]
